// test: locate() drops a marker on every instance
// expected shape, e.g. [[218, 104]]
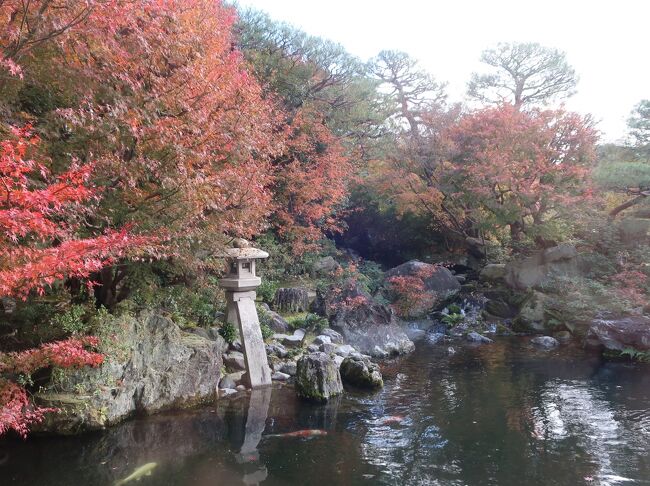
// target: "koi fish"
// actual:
[[303, 434], [138, 474], [393, 419]]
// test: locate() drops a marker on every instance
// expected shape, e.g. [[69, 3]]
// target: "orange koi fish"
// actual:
[[303, 434], [393, 419]]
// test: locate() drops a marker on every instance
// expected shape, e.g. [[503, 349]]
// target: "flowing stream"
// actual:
[[499, 414]]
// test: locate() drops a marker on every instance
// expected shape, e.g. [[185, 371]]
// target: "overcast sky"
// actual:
[[607, 42]]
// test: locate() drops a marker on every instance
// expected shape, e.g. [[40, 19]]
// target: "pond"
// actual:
[[502, 414]]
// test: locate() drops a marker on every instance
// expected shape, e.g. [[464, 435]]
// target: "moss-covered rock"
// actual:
[[318, 377], [359, 371], [156, 366]]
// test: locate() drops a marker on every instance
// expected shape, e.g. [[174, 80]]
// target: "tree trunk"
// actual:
[[106, 291], [516, 229], [628, 204]]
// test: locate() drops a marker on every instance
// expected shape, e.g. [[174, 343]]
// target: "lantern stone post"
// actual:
[[240, 284]]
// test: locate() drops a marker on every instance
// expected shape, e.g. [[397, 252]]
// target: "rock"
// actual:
[[338, 360], [435, 337], [334, 336], [236, 346], [322, 340], [293, 341], [213, 333], [562, 336], [226, 391], [291, 300], [326, 265], [277, 323], [279, 376], [546, 342], [234, 360], [240, 388], [361, 373], [475, 247], [366, 324], [158, 367], [493, 272], [199, 331], [275, 349], [274, 362], [312, 348], [227, 382], [8, 305], [437, 279], [378, 352], [289, 367], [318, 377], [499, 308], [565, 251], [301, 333], [237, 377], [344, 350], [531, 314], [620, 334], [474, 337], [538, 268], [328, 348]]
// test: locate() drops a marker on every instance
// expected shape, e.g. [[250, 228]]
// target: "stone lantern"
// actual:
[[240, 284]]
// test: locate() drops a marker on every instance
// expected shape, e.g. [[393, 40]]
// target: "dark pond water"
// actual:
[[502, 414]]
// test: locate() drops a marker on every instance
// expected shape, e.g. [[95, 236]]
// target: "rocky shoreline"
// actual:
[[159, 366]]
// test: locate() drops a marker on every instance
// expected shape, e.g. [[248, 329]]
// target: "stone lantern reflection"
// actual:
[[240, 284]]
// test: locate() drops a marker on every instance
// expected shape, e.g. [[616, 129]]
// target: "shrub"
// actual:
[[229, 332], [373, 274], [266, 291], [72, 320], [410, 299], [309, 322], [453, 319]]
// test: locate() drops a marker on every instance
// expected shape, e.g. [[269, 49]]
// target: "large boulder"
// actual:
[[276, 322], [293, 299], [538, 268], [629, 333], [369, 326], [545, 342], [359, 371], [436, 278], [531, 316], [325, 265], [493, 272], [318, 377], [156, 366]]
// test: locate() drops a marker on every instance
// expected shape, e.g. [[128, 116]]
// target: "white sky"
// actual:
[[606, 41]]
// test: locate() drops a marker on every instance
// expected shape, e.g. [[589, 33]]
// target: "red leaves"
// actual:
[[311, 182], [532, 157], [16, 412], [37, 241], [411, 296], [71, 353]]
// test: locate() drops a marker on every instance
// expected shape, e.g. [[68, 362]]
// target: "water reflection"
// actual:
[[503, 414]]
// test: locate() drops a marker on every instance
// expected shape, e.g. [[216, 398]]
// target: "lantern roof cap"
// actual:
[[243, 253]]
